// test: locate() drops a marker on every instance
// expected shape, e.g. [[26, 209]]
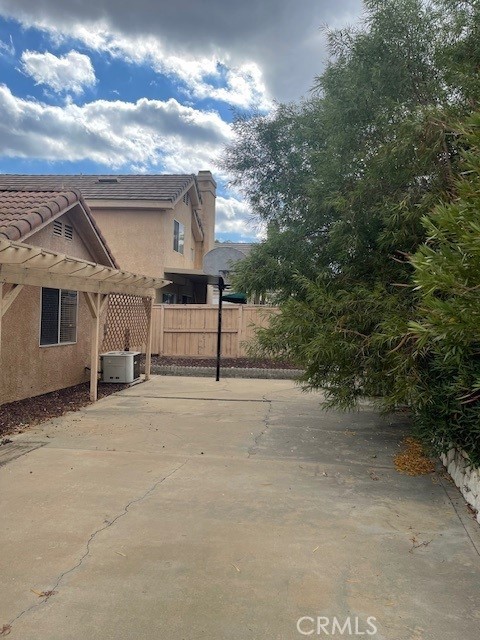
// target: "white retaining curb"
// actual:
[[465, 476]]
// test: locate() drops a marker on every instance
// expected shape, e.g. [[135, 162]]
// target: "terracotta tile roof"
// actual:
[[165, 188], [22, 211]]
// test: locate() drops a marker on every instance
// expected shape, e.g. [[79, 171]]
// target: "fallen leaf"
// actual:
[[413, 460], [43, 594], [316, 549]]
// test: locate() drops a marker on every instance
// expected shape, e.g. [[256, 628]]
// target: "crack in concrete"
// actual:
[[266, 422], [92, 537]]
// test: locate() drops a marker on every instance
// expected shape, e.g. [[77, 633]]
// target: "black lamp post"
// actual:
[[221, 289], [239, 298]]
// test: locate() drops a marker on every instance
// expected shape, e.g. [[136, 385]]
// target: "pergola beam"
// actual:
[[14, 274], [25, 265], [10, 297]]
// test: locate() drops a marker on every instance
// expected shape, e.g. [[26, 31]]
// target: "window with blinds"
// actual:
[[59, 316]]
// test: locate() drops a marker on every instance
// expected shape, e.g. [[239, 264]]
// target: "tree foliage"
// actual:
[[444, 337], [345, 182]]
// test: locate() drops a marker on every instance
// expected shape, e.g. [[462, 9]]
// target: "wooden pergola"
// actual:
[[22, 264]]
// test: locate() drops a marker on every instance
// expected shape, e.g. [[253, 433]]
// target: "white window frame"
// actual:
[[178, 237], [58, 343]]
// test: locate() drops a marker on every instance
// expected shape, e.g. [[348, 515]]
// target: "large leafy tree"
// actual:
[[442, 343], [343, 181]]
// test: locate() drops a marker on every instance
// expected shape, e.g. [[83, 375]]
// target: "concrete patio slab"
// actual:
[[182, 509]]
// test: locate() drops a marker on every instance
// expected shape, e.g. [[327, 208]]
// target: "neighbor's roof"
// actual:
[[23, 211], [166, 188]]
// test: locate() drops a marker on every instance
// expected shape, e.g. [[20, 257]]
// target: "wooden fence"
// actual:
[[191, 330]]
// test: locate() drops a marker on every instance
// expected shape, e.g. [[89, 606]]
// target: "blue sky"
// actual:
[[101, 87]]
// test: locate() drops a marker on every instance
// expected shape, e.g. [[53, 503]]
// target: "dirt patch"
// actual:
[[412, 460], [15, 417]]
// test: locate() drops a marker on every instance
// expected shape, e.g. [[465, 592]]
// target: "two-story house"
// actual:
[[158, 225]]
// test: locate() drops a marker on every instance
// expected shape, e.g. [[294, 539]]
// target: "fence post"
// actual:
[[240, 331], [161, 330]]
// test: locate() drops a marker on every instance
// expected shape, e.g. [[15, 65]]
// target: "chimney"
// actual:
[[208, 192]]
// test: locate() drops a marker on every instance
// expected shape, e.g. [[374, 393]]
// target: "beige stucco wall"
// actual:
[[134, 237], [142, 240], [75, 247], [26, 368], [30, 370]]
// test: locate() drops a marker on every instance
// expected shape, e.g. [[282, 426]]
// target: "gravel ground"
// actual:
[[227, 363]]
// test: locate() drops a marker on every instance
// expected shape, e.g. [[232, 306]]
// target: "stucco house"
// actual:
[[158, 225], [56, 273]]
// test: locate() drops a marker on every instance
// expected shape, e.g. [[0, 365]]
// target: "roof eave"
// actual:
[[101, 203]]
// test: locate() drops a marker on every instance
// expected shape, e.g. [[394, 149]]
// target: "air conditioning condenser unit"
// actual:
[[120, 366]]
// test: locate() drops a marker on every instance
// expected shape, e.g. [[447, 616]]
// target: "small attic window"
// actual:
[[68, 232], [57, 228], [108, 180]]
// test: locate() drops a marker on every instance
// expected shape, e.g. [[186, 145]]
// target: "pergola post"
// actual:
[[148, 353], [6, 300], [1, 317], [94, 302]]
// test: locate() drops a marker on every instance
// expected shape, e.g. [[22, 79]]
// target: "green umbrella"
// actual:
[[239, 298]]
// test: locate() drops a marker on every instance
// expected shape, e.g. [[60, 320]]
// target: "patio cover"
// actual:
[[22, 264]]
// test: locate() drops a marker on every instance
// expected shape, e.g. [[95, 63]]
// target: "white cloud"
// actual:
[[204, 77], [280, 38], [134, 135], [69, 73], [7, 48], [234, 217]]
